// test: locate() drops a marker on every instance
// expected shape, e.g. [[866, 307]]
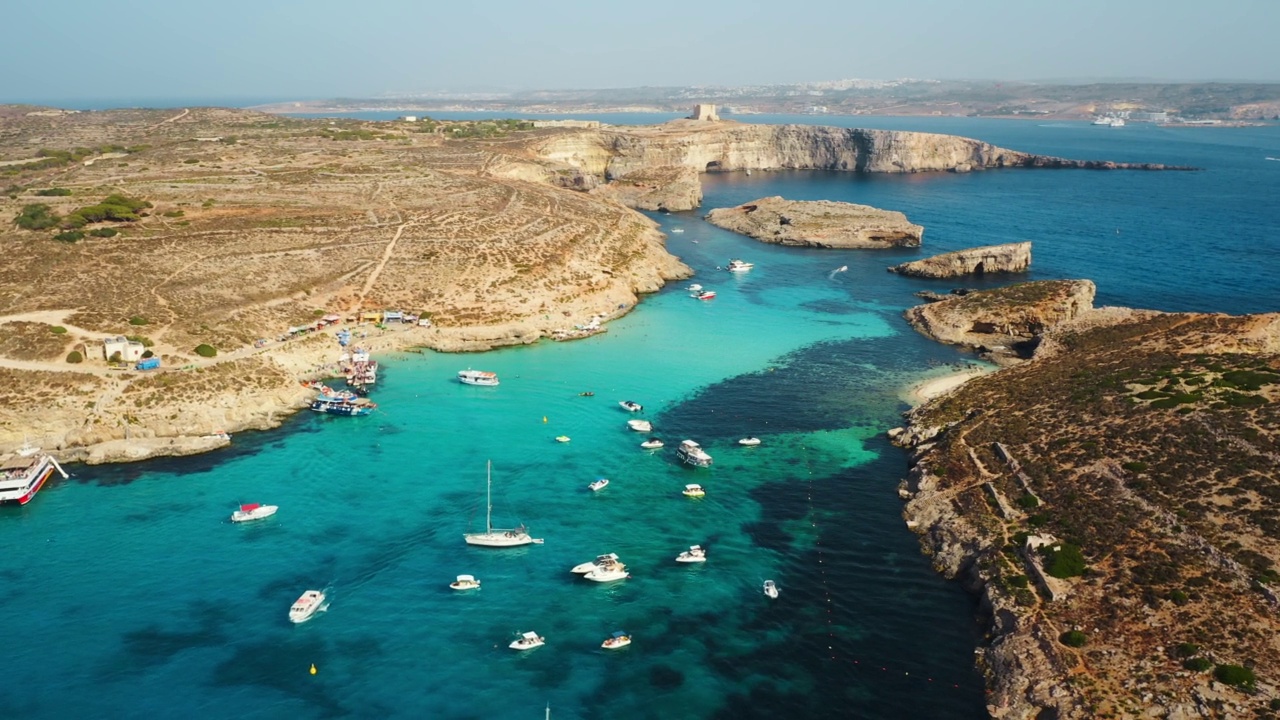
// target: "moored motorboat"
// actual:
[[498, 537], [738, 266], [677, 230], [563, 438], [348, 408], [749, 441], [771, 589], [306, 606], [691, 453], [652, 444], [630, 405], [693, 490], [24, 473], [465, 582], [695, 288], [599, 484], [643, 426], [527, 641], [586, 567], [695, 554], [253, 511], [608, 571], [619, 639], [703, 294], [477, 377]]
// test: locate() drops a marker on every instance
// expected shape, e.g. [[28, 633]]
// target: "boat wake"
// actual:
[[1276, 159], [837, 271]]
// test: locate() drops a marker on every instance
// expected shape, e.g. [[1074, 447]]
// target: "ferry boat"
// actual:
[[24, 473], [348, 408], [253, 511], [619, 639], [306, 606], [739, 266], [527, 641], [691, 453], [477, 377]]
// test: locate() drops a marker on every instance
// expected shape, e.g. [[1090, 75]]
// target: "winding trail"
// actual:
[[382, 263]]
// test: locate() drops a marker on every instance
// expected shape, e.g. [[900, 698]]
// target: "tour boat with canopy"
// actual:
[[618, 639], [306, 606], [477, 377]]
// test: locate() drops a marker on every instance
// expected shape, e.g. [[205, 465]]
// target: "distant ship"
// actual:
[[1108, 121], [23, 474]]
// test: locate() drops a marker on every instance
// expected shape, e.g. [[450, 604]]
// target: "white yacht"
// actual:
[[695, 554], [771, 589], [527, 641], [599, 485], [477, 377], [652, 444], [306, 606], [739, 266], [643, 426], [498, 537], [630, 405], [693, 490], [691, 453], [618, 639], [608, 571], [465, 582], [749, 441], [253, 511], [586, 567]]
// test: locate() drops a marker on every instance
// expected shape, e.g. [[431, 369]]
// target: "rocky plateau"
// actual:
[[818, 223], [989, 259]]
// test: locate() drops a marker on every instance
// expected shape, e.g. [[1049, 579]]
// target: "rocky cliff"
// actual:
[[659, 188], [820, 223], [1010, 258]]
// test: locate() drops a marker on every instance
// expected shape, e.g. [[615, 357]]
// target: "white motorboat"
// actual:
[[497, 537], [306, 606], [739, 266], [477, 377], [465, 582], [771, 589], [749, 442], [643, 426], [599, 485], [253, 511], [704, 295], [630, 405], [695, 288], [653, 444], [677, 230], [619, 639], [608, 571], [586, 567], [693, 490], [695, 554], [691, 453], [527, 641], [563, 438]]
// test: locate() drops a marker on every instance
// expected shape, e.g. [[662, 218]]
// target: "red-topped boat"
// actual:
[[23, 473]]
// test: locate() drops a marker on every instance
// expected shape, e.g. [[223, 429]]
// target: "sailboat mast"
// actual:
[[488, 497]]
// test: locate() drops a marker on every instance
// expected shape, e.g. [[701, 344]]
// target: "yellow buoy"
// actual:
[[544, 418], [313, 668]]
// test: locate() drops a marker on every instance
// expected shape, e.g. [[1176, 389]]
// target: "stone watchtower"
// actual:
[[704, 112]]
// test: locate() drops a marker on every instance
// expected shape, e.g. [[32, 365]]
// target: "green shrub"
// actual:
[[69, 236], [174, 214], [1134, 466], [1151, 395], [58, 330], [1235, 675], [1179, 597], [1274, 704], [1019, 581], [1064, 560], [75, 357], [206, 350], [116, 208], [138, 320], [37, 216], [1028, 502], [104, 232], [1073, 638], [1197, 664], [147, 353], [146, 341], [1187, 649], [54, 192]]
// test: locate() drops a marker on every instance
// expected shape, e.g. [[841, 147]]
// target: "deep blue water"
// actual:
[[131, 596]]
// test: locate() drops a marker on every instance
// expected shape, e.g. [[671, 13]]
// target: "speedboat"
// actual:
[[695, 288], [693, 490], [640, 425], [586, 567], [739, 266], [771, 589], [749, 442], [562, 438], [306, 606], [653, 444], [631, 405], [703, 294], [477, 377], [677, 230], [465, 582], [598, 484], [694, 554], [527, 641], [691, 453], [608, 571], [253, 511], [619, 639]]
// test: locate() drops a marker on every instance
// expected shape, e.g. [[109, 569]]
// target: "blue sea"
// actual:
[[129, 594]]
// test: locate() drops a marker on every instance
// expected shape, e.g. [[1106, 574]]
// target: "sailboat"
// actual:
[[498, 537]]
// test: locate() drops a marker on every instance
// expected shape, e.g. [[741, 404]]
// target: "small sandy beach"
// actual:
[[930, 388]]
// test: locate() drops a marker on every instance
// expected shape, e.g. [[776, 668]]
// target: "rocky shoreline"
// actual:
[[818, 223]]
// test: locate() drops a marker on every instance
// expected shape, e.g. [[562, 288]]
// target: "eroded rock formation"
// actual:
[[820, 223], [1010, 258], [661, 188]]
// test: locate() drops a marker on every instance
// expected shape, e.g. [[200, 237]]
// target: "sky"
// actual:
[[83, 50]]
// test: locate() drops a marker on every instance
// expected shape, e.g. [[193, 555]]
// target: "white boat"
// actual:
[[695, 554], [703, 295], [477, 377], [749, 442], [695, 288], [631, 405], [599, 485], [618, 639], [253, 511], [465, 582], [691, 453], [492, 537], [643, 426], [771, 589], [563, 438], [608, 571], [693, 490], [738, 266], [586, 567], [527, 641], [653, 444], [1116, 122], [677, 230], [1101, 120], [306, 606], [24, 473]]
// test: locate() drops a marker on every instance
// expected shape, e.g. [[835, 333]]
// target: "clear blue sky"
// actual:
[[301, 49]]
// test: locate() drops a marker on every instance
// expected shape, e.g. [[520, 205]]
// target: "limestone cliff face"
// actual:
[[821, 223], [1010, 258], [662, 188]]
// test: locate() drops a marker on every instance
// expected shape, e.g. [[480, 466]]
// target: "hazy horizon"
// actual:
[[272, 51]]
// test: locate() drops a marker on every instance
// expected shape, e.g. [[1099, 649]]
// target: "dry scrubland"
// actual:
[[258, 223], [1151, 444]]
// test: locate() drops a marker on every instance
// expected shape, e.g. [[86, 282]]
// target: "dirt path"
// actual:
[[185, 112], [382, 263]]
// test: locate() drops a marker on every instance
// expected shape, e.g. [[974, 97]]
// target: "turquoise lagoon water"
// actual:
[[132, 596]]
